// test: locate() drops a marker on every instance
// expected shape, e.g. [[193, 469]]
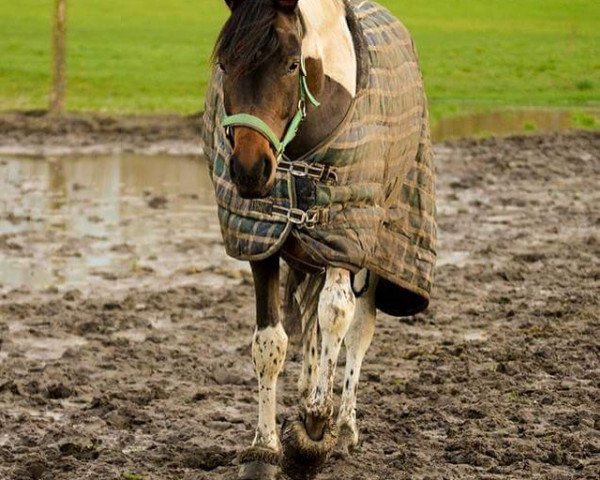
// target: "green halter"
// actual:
[[255, 123]]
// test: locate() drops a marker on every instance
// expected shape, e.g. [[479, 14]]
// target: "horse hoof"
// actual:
[[303, 456], [259, 464], [346, 443]]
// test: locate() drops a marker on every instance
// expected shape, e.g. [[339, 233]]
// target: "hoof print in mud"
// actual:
[[259, 464], [303, 456]]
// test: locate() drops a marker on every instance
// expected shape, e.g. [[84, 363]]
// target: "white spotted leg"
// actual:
[[357, 342], [268, 354], [336, 311], [269, 345]]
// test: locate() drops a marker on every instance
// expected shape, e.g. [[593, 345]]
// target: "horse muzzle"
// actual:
[[254, 180]]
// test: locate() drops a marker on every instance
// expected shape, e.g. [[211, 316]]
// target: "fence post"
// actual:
[[59, 30]]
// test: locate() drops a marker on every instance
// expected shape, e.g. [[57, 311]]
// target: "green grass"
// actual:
[[142, 56]]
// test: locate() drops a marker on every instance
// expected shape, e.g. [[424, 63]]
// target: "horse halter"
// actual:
[[259, 125]]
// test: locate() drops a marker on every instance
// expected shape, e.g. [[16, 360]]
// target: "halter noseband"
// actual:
[[259, 125]]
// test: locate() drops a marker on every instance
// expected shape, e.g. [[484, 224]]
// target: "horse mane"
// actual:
[[248, 39]]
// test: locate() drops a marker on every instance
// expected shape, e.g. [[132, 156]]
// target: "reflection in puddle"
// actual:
[[83, 222], [506, 123]]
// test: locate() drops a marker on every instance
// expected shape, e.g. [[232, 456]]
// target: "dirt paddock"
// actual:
[[500, 379]]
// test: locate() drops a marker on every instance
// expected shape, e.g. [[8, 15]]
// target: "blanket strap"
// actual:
[[321, 173]]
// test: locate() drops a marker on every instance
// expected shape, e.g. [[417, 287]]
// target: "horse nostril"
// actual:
[[233, 164], [267, 167]]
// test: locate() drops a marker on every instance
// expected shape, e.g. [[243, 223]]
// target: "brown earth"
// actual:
[[500, 379], [38, 133]]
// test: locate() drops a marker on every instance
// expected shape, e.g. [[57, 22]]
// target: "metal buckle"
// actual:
[[329, 175], [312, 218], [323, 173], [299, 217], [293, 215], [300, 170], [302, 107]]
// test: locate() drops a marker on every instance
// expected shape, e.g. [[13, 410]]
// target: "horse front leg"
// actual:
[[269, 346], [311, 440]]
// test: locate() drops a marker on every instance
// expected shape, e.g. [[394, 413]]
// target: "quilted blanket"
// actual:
[[365, 197]]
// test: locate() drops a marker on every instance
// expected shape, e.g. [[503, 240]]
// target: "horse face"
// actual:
[[266, 86]]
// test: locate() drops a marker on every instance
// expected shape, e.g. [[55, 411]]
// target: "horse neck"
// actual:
[[329, 43]]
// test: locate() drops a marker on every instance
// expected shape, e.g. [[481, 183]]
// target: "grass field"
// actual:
[[139, 56]]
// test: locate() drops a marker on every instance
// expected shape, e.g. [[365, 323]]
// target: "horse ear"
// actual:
[[286, 6], [233, 4]]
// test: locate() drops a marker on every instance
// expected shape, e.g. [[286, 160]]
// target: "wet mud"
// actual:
[[141, 368]]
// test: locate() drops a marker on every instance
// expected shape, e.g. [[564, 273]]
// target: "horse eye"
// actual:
[[221, 67], [293, 67]]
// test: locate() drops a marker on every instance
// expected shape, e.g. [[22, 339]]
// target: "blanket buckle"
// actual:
[[322, 173], [309, 219], [314, 217], [297, 216]]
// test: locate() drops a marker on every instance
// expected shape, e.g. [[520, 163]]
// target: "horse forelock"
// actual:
[[248, 38]]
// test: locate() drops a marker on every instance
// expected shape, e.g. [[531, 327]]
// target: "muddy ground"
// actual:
[[500, 379], [38, 133]]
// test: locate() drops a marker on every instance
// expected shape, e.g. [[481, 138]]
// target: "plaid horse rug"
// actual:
[[365, 197]]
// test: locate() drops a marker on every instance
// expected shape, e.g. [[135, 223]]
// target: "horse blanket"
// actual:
[[365, 197]]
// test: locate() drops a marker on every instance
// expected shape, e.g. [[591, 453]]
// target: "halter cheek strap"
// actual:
[[259, 125]]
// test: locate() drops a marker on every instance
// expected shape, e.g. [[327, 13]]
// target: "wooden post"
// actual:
[[59, 56]]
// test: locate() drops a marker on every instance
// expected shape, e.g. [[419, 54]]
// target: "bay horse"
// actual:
[[296, 80]]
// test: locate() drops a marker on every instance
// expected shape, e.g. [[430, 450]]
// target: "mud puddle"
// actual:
[[92, 222], [512, 122]]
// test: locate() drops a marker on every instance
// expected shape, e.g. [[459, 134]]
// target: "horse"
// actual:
[[317, 132]]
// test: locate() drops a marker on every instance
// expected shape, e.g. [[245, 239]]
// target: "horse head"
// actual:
[[265, 88]]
